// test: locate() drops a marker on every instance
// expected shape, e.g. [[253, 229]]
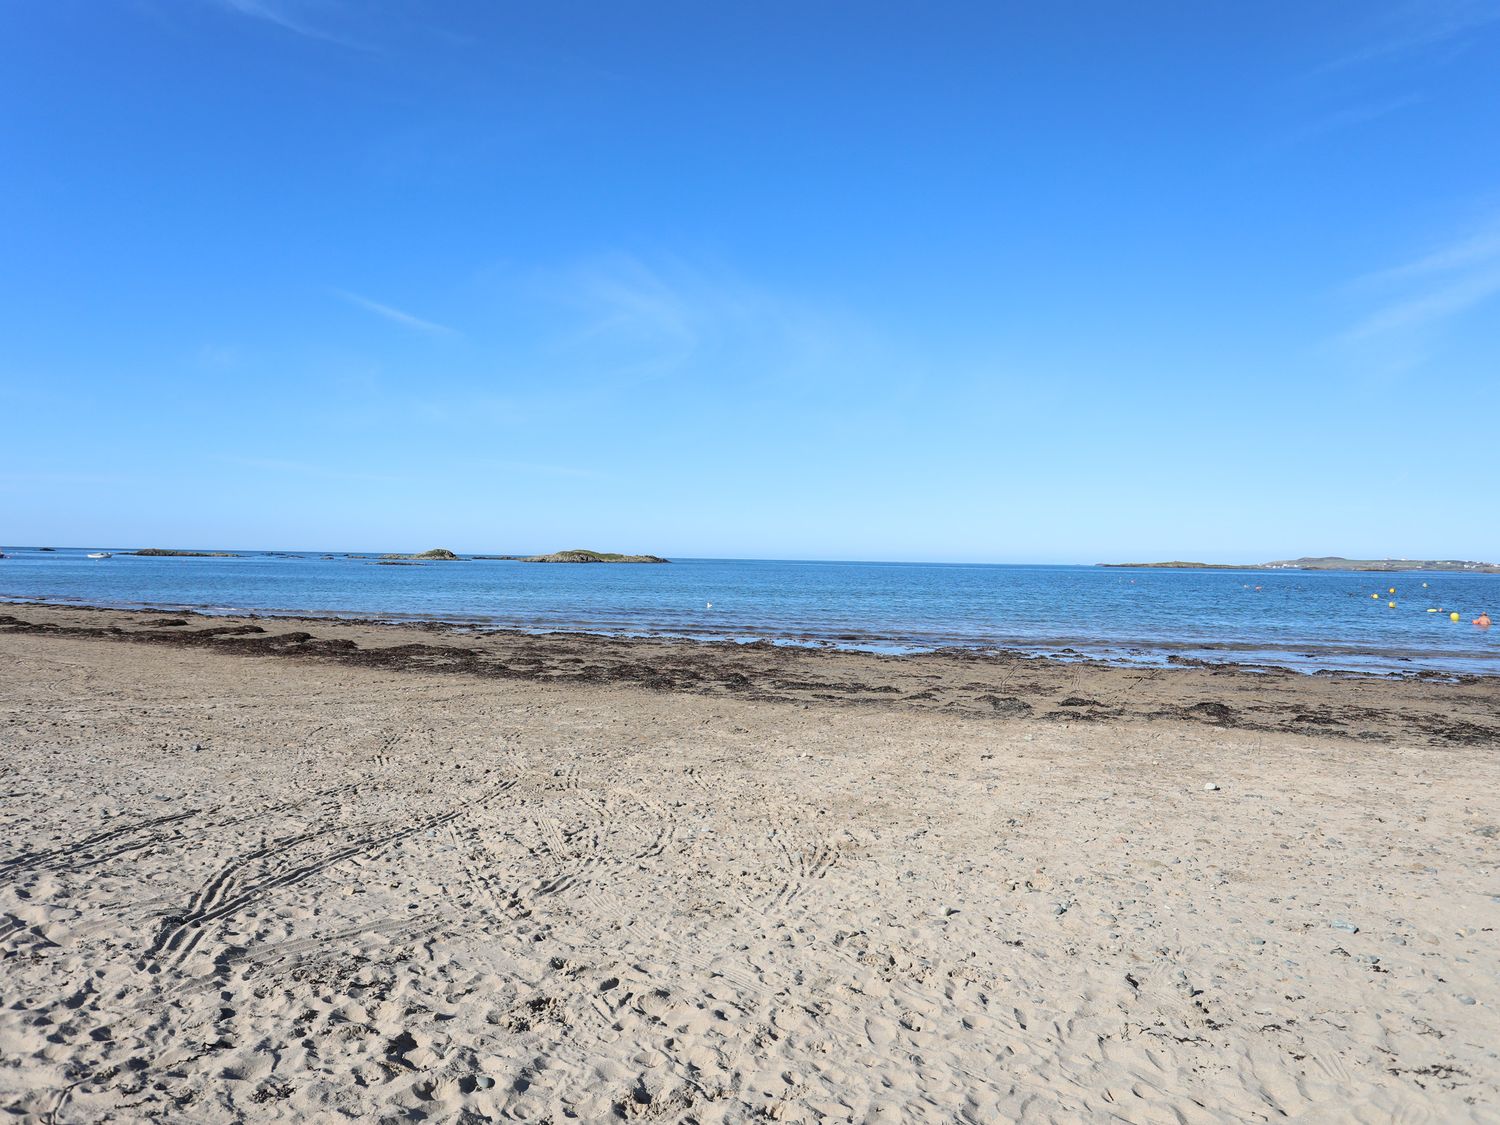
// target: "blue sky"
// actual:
[[979, 281]]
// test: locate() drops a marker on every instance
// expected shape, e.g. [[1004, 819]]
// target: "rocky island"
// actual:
[[580, 556], [161, 553], [438, 554]]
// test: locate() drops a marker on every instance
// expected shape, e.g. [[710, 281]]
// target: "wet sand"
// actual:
[[271, 869]]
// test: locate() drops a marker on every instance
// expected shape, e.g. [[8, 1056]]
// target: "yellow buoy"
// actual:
[[1391, 604], [1392, 590], [1453, 617], [1434, 611], [1375, 596]]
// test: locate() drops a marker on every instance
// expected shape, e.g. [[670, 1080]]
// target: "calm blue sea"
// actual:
[[1304, 620]]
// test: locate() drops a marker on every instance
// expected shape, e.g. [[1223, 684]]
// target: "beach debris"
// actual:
[[484, 1081], [1347, 927], [1211, 787]]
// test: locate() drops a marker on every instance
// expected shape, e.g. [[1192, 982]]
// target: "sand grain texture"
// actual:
[[268, 888]]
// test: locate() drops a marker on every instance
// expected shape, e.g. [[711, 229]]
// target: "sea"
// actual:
[[1312, 621]]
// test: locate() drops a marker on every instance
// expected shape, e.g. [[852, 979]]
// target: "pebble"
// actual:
[[1257, 941], [1059, 908], [1466, 999], [1347, 927], [1211, 787], [484, 1081]]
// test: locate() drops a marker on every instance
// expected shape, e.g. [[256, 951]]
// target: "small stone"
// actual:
[[1059, 908], [1347, 927], [484, 1081], [1257, 941], [1211, 787], [1466, 999]]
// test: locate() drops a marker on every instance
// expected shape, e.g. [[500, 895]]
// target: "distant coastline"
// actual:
[[1325, 562], [437, 554]]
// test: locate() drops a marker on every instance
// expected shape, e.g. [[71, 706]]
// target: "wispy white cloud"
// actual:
[[218, 357], [283, 16], [395, 315], [1417, 26], [641, 318], [1479, 249], [1350, 118], [1428, 308], [567, 344], [1414, 300]]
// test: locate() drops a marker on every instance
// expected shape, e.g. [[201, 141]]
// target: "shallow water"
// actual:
[[1311, 620]]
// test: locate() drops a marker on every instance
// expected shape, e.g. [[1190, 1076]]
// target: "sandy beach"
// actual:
[[304, 870]]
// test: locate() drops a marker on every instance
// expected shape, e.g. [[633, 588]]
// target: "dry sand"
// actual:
[[332, 871]]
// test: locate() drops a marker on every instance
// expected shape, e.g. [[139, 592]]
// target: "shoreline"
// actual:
[[1304, 659], [990, 685]]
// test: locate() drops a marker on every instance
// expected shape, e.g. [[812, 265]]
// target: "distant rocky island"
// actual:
[[1326, 562], [161, 553], [593, 557], [440, 554]]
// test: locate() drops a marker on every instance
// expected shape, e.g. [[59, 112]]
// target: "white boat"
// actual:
[[100, 555]]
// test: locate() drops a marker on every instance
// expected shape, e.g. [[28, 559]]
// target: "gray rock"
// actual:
[[1347, 927]]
